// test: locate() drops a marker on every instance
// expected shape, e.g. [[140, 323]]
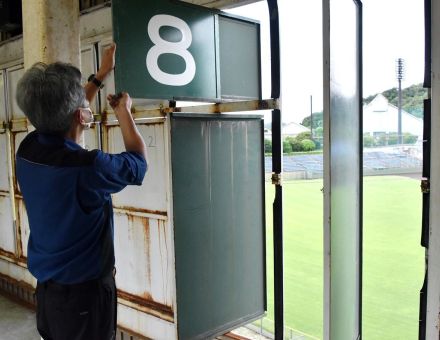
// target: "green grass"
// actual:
[[393, 258]]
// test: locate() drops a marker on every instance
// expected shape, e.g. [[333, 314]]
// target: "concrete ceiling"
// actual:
[[221, 4]]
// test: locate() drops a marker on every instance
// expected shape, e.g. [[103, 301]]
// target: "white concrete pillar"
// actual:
[[51, 31]]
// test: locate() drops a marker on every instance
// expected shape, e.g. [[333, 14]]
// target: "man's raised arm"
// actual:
[[133, 140], [107, 65]]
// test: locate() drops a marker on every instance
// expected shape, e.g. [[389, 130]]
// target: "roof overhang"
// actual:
[[221, 4]]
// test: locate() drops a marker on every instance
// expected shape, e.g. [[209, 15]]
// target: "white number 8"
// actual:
[[162, 46]]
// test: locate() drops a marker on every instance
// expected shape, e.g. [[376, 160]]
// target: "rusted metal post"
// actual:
[[277, 154], [278, 225]]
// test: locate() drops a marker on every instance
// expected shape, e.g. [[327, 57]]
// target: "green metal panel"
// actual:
[[239, 42], [134, 24], [174, 50], [218, 201]]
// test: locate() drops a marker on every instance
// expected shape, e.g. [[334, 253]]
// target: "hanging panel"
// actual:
[[219, 226]]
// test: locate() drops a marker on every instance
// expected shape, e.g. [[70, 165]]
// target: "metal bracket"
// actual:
[[97, 118], [425, 186], [18, 125], [276, 179], [161, 111]]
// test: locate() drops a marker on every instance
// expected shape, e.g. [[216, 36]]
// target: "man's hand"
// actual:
[[107, 62], [133, 141], [120, 102]]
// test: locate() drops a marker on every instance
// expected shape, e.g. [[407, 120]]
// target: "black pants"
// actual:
[[76, 312]]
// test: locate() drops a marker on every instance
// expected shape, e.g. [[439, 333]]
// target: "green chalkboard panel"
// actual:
[[219, 226], [239, 46]]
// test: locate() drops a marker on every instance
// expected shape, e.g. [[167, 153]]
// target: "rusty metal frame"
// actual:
[[108, 117], [4, 254], [16, 256], [14, 126], [145, 302], [11, 168]]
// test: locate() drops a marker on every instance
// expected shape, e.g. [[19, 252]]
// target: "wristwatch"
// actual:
[[95, 81]]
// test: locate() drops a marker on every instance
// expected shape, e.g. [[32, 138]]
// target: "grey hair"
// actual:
[[49, 95]]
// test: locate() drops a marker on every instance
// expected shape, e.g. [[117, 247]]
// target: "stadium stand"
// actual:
[[386, 162]]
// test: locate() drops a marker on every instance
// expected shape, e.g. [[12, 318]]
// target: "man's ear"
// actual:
[[79, 117]]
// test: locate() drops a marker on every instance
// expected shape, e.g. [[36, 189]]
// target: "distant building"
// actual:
[[381, 117], [293, 129], [288, 130]]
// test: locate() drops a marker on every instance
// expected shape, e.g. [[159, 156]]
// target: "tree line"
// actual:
[[412, 102]]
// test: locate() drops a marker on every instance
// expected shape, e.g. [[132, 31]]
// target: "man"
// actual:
[[67, 191]]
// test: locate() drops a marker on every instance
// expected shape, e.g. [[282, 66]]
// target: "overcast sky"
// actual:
[[392, 29]]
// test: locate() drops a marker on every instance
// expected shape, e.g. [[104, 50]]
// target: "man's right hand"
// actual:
[[133, 141], [120, 102]]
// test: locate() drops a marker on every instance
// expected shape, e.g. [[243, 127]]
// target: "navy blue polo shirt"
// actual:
[[66, 190]]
